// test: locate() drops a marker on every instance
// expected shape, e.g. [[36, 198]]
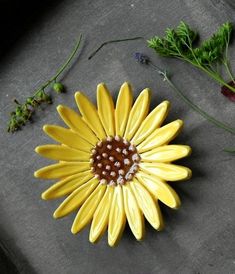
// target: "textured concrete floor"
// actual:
[[200, 237]]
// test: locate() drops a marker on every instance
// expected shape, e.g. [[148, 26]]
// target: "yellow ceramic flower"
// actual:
[[114, 162]]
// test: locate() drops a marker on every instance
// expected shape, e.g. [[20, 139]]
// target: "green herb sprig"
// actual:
[[208, 57], [23, 112]]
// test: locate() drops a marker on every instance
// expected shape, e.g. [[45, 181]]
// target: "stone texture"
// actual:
[[200, 237]]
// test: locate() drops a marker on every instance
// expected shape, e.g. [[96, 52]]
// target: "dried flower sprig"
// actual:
[[110, 42], [209, 57], [23, 112], [143, 59]]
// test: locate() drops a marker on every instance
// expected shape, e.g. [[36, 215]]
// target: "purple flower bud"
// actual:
[[141, 58]]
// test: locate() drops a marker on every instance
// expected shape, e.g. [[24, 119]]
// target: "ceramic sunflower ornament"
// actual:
[[113, 163]]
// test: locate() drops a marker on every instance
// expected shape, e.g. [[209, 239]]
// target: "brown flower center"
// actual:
[[114, 161]]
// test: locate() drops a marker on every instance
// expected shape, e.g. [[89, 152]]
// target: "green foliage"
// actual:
[[180, 43], [214, 49], [24, 112], [176, 42]]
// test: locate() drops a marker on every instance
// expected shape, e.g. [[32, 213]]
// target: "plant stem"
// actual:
[[228, 69], [63, 67], [23, 112], [213, 75], [230, 150], [191, 104], [112, 41], [226, 60], [197, 64]]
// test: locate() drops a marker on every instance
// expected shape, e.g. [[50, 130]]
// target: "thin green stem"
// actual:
[[61, 69], [226, 60], [212, 74], [213, 70], [230, 150], [228, 69], [191, 104], [64, 66], [192, 51], [24, 111], [110, 42]]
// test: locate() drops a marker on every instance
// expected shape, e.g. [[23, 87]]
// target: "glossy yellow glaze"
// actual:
[[159, 189], [108, 205], [133, 213], [152, 122], [68, 137], [75, 122], [62, 153], [147, 204], [74, 200], [138, 113], [86, 212], [101, 216], [90, 115], [67, 185], [117, 217], [161, 136], [123, 108], [106, 109], [166, 154], [168, 172], [61, 170]]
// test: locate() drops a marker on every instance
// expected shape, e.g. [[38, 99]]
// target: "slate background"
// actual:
[[200, 237]]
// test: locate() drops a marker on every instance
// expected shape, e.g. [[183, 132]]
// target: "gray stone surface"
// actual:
[[200, 237]]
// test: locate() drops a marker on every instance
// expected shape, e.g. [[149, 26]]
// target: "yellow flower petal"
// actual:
[[67, 185], [62, 153], [76, 199], [161, 136], [168, 172], [166, 153], [105, 109], [62, 169], [108, 207], [117, 217], [76, 123], [90, 115], [67, 137], [151, 122], [87, 210], [123, 107], [101, 216], [133, 212], [160, 190], [137, 113], [149, 207]]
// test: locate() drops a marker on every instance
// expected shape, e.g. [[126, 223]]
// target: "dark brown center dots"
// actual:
[[114, 161]]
